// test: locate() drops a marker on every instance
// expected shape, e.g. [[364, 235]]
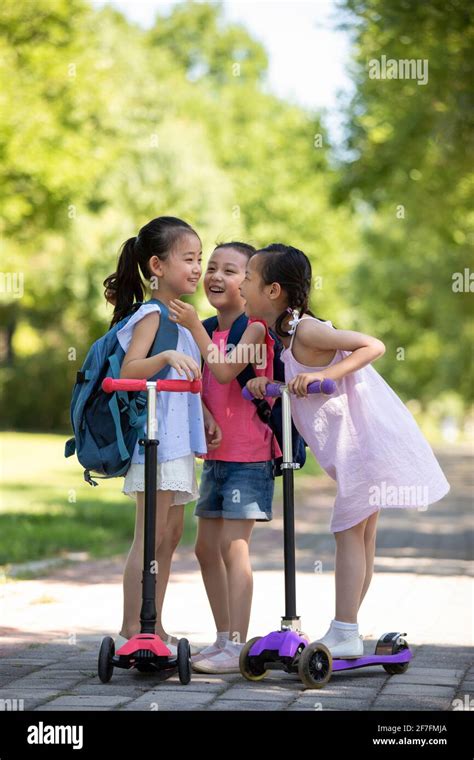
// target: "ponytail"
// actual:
[[125, 286], [128, 284]]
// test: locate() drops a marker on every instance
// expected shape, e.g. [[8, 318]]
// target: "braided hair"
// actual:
[[291, 268]]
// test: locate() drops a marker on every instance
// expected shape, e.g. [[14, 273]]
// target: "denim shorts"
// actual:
[[236, 490]]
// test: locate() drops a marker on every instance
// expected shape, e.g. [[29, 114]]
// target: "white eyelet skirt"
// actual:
[[178, 475]]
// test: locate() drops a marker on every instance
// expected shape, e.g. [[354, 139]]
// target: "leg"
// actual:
[[350, 571], [369, 542], [213, 569], [235, 553], [132, 576], [164, 556]]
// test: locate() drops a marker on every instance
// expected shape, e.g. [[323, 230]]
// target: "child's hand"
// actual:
[[183, 314], [257, 386], [183, 364], [213, 432], [299, 384]]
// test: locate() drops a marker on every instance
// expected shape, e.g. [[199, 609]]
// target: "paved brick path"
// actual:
[[52, 626]]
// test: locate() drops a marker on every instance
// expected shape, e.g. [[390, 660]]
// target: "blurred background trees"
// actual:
[[105, 125]]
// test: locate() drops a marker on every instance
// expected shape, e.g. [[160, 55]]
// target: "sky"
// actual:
[[307, 54]]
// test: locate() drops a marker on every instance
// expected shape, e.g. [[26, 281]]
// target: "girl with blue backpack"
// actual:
[[167, 253], [237, 482]]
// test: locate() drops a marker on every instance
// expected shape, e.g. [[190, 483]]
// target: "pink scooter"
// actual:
[[146, 651]]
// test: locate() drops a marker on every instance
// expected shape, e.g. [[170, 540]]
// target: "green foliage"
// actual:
[[411, 179], [104, 125]]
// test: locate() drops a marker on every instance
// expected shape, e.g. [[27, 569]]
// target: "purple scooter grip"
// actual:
[[325, 386]]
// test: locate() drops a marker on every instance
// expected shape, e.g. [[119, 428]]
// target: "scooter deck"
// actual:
[[374, 659], [284, 644]]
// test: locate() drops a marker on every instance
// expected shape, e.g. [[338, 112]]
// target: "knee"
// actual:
[[168, 539], [230, 550], [369, 536], [371, 529], [356, 532], [173, 537], [160, 538], [206, 553]]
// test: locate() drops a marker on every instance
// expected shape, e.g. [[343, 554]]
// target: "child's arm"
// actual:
[[135, 365], [318, 336], [213, 431], [226, 368]]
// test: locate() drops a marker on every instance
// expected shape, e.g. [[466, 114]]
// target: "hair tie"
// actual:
[[293, 322]]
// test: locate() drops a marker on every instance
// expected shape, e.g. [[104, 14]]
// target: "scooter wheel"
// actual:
[[392, 643], [315, 665], [106, 652], [250, 669], [184, 661]]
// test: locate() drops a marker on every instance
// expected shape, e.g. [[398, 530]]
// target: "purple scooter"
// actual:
[[289, 649]]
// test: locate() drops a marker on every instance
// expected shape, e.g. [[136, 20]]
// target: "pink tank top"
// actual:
[[245, 438]]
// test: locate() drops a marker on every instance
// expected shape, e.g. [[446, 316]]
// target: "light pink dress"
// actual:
[[367, 441]]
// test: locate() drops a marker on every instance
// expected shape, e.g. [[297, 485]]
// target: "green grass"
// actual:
[[48, 510]]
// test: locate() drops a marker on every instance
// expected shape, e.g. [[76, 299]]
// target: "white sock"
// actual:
[[233, 646], [221, 638], [339, 631]]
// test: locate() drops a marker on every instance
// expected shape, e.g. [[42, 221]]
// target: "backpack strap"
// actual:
[[235, 333], [210, 324], [248, 373], [166, 338], [121, 396]]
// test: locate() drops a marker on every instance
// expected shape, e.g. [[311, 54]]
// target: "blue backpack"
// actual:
[[271, 415], [107, 425]]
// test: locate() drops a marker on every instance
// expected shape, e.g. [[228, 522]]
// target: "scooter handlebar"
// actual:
[[325, 386], [109, 385]]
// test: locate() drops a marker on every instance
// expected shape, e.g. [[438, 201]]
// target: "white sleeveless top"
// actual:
[[179, 415]]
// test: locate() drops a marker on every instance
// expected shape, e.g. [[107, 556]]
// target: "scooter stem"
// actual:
[[148, 608], [290, 619]]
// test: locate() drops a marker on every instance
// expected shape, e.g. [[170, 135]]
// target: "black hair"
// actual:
[[245, 248], [157, 238], [291, 268]]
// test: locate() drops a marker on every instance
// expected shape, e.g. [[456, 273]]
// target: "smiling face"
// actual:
[[225, 271], [181, 271], [253, 290]]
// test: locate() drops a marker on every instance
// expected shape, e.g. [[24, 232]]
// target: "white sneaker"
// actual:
[[172, 642], [348, 649], [209, 651], [225, 661], [120, 641]]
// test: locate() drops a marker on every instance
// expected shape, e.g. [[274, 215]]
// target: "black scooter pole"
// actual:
[[148, 608], [291, 618]]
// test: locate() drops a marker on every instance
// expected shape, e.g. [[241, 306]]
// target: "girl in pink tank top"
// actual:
[[237, 482], [362, 435]]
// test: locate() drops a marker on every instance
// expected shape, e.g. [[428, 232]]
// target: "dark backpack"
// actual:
[[272, 416], [107, 425]]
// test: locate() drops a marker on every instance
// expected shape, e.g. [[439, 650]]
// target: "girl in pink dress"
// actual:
[[363, 435]]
